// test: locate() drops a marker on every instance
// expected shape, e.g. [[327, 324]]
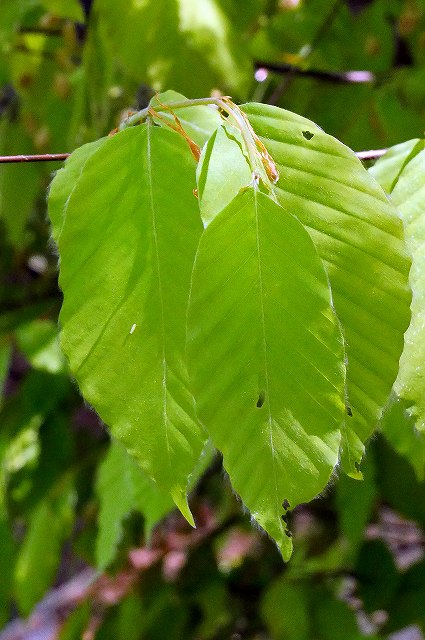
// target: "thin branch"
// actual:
[[340, 77], [46, 157], [373, 154]]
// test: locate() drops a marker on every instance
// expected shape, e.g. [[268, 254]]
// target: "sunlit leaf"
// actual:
[[125, 296], [266, 357], [360, 239], [404, 422], [199, 121], [222, 170], [388, 169]]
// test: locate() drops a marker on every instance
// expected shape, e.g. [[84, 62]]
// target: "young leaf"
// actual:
[[199, 121], [222, 170], [360, 239], [127, 246], [266, 357]]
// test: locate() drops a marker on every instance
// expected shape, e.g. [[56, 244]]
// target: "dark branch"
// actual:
[[340, 77]]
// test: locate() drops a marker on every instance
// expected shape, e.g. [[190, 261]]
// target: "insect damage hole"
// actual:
[[308, 135], [261, 399]]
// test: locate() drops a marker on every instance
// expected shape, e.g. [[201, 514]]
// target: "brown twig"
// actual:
[[45, 157], [373, 154]]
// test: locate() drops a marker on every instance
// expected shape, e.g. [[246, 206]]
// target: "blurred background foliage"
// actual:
[[69, 500]]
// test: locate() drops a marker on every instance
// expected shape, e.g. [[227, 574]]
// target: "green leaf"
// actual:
[[355, 502], [38, 559], [5, 356], [7, 560], [377, 575], [388, 169], [334, 619], [286, 610], [164, 43], [397, 482], [122, 487], [409, 197], [199, 121], [266, 357], [38, 340], [360, 239], [72, 9], [222, 170], [403, 170], [127, 247], [64, 182], [407, 607], [398, 424]]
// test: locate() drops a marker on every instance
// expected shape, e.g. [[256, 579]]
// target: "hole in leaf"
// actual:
[[261, 399], [308, 135], [285, 504], [288, 533], [349, 410], [285, 518]]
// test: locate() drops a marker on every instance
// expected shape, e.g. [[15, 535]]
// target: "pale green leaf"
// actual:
[[266, 357], [198, 121], [399, 427], [7, 559], [122, 487], [39, 341], [409, 389], [360, 239], [127, 247], [222, 170], [65, 181], [390, 166]]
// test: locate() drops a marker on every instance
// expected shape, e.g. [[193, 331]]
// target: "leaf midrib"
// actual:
[[160, 292], [264, 346]]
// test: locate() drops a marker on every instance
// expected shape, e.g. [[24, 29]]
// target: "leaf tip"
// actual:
[[179, 496]]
